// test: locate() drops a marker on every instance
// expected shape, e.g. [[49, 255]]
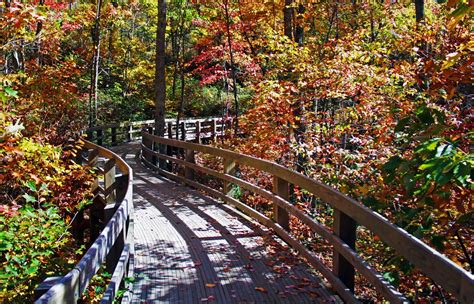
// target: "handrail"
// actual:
[[347, 214], [191, 129], [114, 245]]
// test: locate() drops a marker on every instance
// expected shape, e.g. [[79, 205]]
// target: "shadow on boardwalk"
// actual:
[[190, 248]]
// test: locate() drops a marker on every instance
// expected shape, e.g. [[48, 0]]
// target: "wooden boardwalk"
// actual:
[[190, 248]]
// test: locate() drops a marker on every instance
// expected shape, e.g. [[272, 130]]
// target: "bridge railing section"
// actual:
[[197, 130], [347, 214], [111, 224]]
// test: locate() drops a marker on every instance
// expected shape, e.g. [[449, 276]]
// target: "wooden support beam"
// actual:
[[189, 157], [345, 228], [282, 189], [109, 180], [198, 132], [170, 130], [46, 285], [130, 133], [213, 129], [183, 131], [229, 168]]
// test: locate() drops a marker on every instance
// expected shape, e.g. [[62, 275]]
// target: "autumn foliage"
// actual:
[[361, 95]]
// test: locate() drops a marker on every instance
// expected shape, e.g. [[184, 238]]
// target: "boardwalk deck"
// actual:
[[190, 248]]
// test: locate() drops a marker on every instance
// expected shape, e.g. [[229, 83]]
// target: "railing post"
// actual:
[[229, 168], [130, 133], [100, 135], [169, 149], [282, 189], [114, 136], [345, 228], [97, 208], [183, 131], [149, 144], [170, 130], [198, 131], [109, 180], [213, 129], [189, 157]]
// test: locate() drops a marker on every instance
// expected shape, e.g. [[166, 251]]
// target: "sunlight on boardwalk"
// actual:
[[192, 249]]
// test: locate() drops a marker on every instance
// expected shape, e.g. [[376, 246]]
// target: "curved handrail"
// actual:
[[347, 212], [114, 245]]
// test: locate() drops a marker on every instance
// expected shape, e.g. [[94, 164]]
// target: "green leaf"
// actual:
[[462, 172], [429, 164], [29, 198], [10, 92], [392, 277], [31, 185]]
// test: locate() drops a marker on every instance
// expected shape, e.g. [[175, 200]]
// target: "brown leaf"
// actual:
[[261, 289]]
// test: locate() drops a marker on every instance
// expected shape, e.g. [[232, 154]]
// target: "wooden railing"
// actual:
[[196, 130], [347, 214], [113, 245]]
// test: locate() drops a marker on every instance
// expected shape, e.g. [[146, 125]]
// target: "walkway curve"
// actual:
[[190, 248]]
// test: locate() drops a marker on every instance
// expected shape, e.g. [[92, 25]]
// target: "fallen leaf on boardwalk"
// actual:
[[209, 298], [261, 289], [313, 294], [210, 285], [227, 269]]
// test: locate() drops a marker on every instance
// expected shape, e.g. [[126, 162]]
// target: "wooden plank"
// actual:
[[282, 189], [183, 131], [198, 132], [345, 229], [189, 157], [447, 273], [213, 129], [256, 267], [314, 261], [229, 168], [109, 181]]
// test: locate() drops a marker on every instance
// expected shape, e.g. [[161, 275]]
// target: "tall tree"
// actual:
[[93, 93], [160, 73], [232, 65]]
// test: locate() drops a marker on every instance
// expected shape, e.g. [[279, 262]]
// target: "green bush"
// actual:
[[34, 244]]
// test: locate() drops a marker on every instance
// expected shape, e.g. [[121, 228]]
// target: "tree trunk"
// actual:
[[180, 60], [95, 67], [160, 76], [419, 10], [299, 29], [232, 64], [288, 19], [39, 27]]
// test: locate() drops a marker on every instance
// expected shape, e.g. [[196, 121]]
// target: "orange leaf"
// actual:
[[261, 289]]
